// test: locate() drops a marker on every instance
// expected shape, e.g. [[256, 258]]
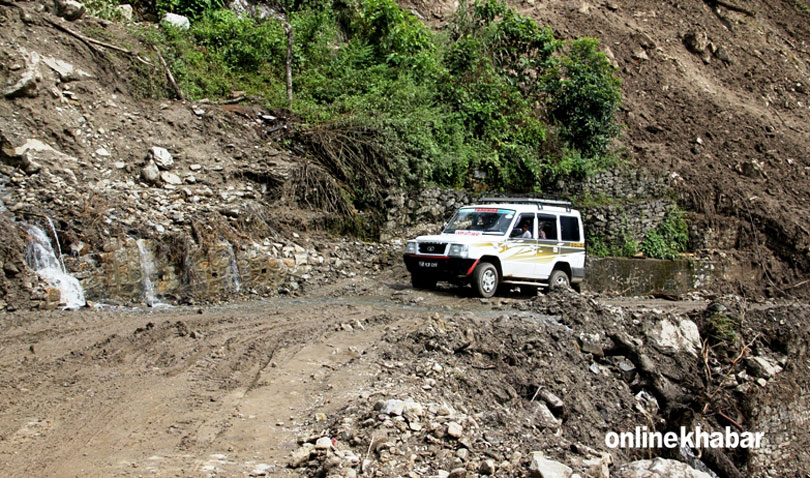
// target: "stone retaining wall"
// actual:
[[613, 223], [635, 202]]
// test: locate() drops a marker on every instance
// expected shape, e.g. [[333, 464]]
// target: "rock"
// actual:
[[161, 156], [170, 178], [640, 55], [722, 55], [763, 367], [150, 173], [697, 43], [590, 344], [66, 71], [542, 467], [658, 468], [323, 443], [454, 430], [413, 408], [458, 473], [544, 418], [176, 21], [683, 337], [125, 11], [70, 10], [120, 165], [553, 401], [597, 465], [28, 82], [487, 467], [390, 407]]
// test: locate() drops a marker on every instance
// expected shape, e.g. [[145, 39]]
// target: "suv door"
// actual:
[[519, 255], [548, 245]]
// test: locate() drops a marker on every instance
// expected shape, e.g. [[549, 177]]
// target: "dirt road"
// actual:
[[235, 390], [185, 391]]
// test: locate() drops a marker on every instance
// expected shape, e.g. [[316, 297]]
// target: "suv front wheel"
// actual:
[[485, 279]]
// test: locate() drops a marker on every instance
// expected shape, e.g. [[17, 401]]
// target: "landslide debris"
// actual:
[[540, 383]]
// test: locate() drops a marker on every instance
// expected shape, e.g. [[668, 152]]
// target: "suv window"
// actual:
[[547, 227], [485, 220], [570, 228], [524, 219]]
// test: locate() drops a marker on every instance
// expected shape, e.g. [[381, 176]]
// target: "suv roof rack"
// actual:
[[539, 202]]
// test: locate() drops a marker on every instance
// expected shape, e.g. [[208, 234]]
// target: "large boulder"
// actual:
[[177, 21], [161, 156], [70, 10]]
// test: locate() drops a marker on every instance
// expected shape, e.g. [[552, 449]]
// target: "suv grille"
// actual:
[[432, 248]]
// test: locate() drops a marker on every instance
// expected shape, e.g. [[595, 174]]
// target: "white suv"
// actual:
[[534, 242]]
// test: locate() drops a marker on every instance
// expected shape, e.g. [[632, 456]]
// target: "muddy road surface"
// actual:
[[188, 391], [254, 388]]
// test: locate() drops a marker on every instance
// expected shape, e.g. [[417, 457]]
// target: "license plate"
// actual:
[[428, 264]]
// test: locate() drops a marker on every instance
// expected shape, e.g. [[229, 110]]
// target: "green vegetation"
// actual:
[[666, 241], [722, 328], [669, 239], [493, 101], [625, 246]]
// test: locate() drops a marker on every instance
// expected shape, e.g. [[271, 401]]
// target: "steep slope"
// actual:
[[717, 97]]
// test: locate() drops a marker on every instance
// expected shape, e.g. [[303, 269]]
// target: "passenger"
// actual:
[[527, 234], [541, 234]]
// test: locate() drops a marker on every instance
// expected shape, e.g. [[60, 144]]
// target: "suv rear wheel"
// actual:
[[558, 279], [485, 279]]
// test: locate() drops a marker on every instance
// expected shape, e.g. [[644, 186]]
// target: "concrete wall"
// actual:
[[631, 277]]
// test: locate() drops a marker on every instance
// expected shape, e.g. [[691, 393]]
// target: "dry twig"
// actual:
[[169, 75], [90, 42]]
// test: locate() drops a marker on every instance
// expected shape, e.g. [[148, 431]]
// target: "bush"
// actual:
[[190, 8], [584, 96], [475, 102], [669, 239], [243, 43]]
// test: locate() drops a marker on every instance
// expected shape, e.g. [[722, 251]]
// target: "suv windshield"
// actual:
[[480, 220]]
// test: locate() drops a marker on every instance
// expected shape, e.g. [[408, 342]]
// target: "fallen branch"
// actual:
[[731, 420], [169, 74], [232, 101], [798, 284], [91, 41], [730, 370]]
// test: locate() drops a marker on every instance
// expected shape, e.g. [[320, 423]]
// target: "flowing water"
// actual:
[[237, 283], [58, 246], [147, 271], [40, 256]]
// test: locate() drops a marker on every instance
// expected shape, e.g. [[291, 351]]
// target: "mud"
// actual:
[[235, 390]]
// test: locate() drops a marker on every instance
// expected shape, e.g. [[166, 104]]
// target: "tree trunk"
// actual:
[[290, 35]]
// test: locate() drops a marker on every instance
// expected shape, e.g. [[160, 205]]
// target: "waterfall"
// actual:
[[40, 256], [237, 283], [58, 246], [147, 271]]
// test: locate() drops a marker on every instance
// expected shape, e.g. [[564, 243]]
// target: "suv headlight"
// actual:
[[459, 250], [410, 248]]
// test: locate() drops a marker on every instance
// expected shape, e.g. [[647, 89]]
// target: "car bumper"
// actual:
[[440, 267]]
